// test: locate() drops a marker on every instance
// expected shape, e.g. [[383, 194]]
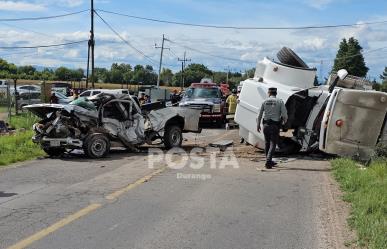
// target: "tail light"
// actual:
[[339, 123]]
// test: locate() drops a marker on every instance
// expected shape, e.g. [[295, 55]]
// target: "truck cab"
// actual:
[[343, 117], [207, 97]]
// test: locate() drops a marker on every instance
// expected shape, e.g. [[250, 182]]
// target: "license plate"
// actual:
[[54, 143]]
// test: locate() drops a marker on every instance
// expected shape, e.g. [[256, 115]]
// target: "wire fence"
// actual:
[[11, 103]]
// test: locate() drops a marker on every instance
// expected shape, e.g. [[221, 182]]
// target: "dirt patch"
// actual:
[[333, 214]]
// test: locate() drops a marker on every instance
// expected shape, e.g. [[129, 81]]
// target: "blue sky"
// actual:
[[313, 46]]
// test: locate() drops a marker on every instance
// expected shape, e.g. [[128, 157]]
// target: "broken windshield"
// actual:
[[207, 93]]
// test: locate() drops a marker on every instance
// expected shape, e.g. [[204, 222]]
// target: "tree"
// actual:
[[62, 73], [383, 76], [383, 86], [166, 77], [193, 73], [146, 75], [349, 57]]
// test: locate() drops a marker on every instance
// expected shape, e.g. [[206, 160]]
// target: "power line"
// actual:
[[46, 46], [41, 17], [209, 54], [242, 27], [350, 56], [125, 41]]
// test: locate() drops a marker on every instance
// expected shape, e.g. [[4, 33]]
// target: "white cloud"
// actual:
[[20, 6], [318, 4], [70, 3]]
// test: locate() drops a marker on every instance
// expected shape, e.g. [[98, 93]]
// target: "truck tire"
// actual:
[[54, 151], [173, 137], [289, 57], [96, 145]]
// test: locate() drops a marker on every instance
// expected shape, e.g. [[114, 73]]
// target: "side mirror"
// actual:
[[342, 73]]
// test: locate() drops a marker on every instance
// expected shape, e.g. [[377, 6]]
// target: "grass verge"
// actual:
[[19, 146], [366, 190]]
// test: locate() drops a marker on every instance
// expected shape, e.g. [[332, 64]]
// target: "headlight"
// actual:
[[216, 108]]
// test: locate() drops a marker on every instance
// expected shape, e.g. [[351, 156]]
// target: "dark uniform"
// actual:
[[274, 112]]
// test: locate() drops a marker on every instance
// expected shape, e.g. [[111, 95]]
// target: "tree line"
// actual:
[[123, 73], [349, 56]]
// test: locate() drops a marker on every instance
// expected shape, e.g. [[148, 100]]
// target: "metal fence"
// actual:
[[11, 103], [6, 103]]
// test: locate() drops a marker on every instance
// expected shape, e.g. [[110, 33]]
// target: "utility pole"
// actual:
[[183, 61], [321, 68], [228, 71], [16, 94], [161, 59], [90, 51]]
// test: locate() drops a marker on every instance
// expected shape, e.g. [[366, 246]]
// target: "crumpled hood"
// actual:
[[42, 110]]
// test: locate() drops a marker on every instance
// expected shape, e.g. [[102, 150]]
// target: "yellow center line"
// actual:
[[92, 207], [46, 231], [121, 191]]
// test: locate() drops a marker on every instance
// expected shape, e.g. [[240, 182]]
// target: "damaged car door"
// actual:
[[122, 119]]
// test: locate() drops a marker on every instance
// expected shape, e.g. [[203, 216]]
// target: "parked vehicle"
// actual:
[[208, 98], [342, 118], [4, 85], [28, 88], [155, 93], [108, 121], [92, 92], [62, 87], [28, 98]]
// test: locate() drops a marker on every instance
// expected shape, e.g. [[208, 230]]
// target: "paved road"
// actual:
[[121, 202]]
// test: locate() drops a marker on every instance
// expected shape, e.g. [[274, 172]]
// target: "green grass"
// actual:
[[19, 146], [3, 109], [366, 190], [23, 120]]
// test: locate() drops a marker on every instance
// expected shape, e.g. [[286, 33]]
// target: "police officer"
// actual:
[[274, 113]]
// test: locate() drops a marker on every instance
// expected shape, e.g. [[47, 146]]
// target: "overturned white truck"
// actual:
[[344, 117]]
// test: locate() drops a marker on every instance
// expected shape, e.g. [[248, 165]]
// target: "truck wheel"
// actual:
[[173, 136], [96, 145], [54, 151], [289, 57]]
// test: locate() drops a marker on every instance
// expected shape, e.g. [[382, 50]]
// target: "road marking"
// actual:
[[123, 190], [92, 207], [46, 231]]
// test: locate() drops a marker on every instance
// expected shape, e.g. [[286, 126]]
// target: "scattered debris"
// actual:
[[222, 144]]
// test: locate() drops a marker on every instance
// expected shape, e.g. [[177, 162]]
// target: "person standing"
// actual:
[[54, 99], [274, 113], [232, 102]]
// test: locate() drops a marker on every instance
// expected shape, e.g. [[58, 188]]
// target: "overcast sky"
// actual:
[[313, 46]]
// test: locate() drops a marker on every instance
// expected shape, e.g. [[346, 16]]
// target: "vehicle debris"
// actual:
[[107, 120], [344, 117], [222, 144]]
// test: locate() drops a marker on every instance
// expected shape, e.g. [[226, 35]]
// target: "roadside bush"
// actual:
[[366, 190]]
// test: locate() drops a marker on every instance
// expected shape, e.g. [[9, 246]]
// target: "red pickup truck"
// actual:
[[209, 98]]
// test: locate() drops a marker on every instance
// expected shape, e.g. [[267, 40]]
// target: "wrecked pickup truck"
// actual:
[[107, 120], [344, 117]]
